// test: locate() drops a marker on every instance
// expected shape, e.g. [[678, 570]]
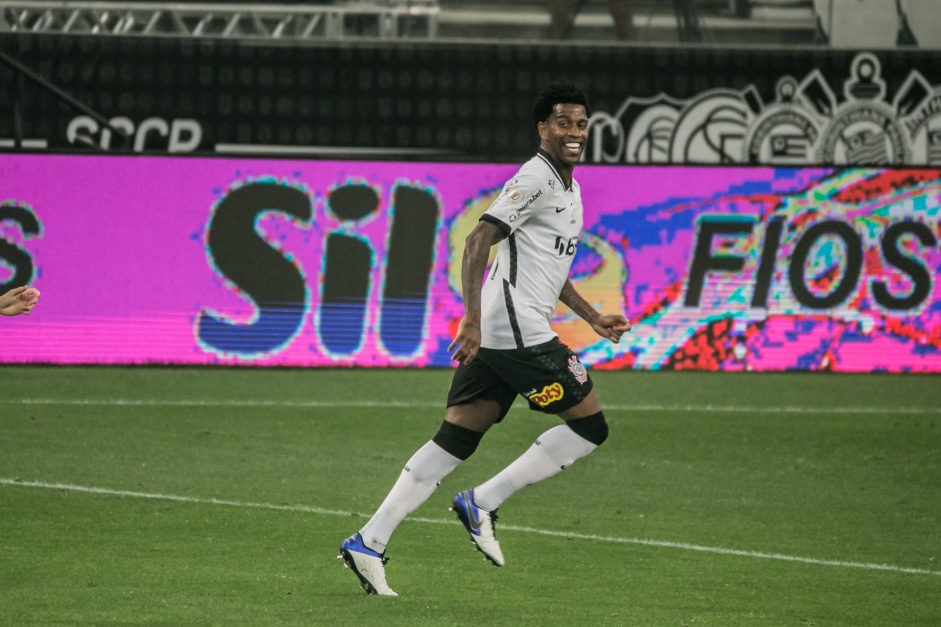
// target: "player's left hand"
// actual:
[[611, 326]]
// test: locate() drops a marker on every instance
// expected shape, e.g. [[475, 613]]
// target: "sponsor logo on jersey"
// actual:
[[550, 394], [532, 199], [515, 196], [577, 369]]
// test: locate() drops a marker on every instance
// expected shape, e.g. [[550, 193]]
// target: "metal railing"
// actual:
[[376, 19]]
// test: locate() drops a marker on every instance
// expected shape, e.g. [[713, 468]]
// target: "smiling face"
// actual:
[[564, 134]]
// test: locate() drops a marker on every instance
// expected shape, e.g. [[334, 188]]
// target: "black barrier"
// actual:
[[434, 101]]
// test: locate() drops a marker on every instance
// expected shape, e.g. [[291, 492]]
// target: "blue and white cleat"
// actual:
[[480, 524], [368, 565]]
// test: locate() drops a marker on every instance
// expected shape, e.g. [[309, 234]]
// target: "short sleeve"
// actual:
[[522, 197]]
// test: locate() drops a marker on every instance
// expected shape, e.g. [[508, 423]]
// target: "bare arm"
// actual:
[[574, 301], [610, 326], [473, 265]]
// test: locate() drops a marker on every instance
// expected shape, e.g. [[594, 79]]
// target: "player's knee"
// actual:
[[456, 440], [593, 428]]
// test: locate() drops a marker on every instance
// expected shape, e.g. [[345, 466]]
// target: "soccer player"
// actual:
[[19, 301], [505, 346]]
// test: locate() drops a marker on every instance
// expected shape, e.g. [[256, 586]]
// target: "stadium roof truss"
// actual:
[[358, 19]]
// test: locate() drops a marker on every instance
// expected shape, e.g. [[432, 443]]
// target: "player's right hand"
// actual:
[[19, 300], [464, 347]]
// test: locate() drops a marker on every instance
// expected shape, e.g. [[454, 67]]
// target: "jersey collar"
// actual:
[[554, 166]]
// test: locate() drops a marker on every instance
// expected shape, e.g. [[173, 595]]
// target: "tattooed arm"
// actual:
[[473, 265], [610, 326]]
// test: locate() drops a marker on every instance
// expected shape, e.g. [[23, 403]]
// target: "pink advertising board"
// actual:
[[186, 260]]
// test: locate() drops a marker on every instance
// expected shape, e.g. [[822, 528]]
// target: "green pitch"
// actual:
[[152, 496]]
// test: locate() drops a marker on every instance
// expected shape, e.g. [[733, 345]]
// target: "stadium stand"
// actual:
[[709, 21], [372, 19]]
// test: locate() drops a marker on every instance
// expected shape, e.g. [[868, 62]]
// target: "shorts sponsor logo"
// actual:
[[550, 394], [577, 370]]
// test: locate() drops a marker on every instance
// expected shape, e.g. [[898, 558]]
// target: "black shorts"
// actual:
[[548, 375]]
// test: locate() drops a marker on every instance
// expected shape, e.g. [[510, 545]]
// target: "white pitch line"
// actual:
[[118, 402], [171, 497], [723, 551], [545, 532]]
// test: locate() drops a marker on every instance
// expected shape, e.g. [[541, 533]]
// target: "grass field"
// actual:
[[159, 496]]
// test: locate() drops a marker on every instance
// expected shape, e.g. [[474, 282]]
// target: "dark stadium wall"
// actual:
[[464, 102]]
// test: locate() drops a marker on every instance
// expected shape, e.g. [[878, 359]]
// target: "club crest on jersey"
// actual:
[[577, 369], [550, 394]]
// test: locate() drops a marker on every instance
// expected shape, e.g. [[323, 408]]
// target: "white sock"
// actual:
[[552, 452], [421, 475]]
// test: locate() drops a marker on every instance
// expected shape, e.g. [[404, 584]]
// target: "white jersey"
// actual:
[[542, 220]]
